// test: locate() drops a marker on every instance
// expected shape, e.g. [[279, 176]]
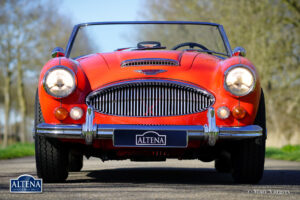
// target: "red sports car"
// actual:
[[149, 91]]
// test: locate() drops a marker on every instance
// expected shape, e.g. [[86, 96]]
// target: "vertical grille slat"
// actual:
[[127, 102], [118, 101], [121, 101], [144, 102], [150, 99]]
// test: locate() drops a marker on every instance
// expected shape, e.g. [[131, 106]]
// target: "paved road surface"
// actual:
[[156, 180]]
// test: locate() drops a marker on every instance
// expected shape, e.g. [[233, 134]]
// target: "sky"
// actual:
[[102, 10], [81, 11]]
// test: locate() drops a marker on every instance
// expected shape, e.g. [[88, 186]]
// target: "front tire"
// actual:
[[75, 162], [223, 163], [248, 161], [51, 157], [248, 156], [51, 160]]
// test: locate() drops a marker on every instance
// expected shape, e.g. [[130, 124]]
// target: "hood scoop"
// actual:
[[149, 62]]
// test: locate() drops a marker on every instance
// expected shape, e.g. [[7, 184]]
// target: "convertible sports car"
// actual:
[[151, 91]]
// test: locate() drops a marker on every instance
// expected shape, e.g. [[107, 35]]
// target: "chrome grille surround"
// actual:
[[149, 62], [150, 98]]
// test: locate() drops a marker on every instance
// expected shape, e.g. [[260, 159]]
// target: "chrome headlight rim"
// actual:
[[55, 68], [253, 86]]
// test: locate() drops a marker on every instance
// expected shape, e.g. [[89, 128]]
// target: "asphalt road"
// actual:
[[155, 180]]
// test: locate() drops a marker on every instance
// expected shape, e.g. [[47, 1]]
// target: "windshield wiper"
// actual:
[[149, 48], [207, 51], [137, 49]]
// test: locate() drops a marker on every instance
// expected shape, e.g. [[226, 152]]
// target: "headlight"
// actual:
[[59, 81], [239, 80]]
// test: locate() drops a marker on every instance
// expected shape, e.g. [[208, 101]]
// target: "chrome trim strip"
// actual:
[[105, 131], [91, 131], [58, 131]]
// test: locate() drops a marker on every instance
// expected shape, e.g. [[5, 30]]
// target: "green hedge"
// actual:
[[17, 150], [288, 152]]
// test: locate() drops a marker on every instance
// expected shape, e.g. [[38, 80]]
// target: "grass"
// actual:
[[288, 152], [17, 150]]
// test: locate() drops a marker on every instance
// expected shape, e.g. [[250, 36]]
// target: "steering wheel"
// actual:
[[190, 44]]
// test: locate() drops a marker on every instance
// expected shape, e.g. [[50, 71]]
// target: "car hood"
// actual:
[[105, 68]]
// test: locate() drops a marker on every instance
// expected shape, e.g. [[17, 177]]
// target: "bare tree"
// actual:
[[5, 61], [27, 37], [269, 30]]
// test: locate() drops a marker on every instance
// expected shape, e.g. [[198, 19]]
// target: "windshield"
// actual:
[[108, 37]]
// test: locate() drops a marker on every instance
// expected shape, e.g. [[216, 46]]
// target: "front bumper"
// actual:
[[90, 131]]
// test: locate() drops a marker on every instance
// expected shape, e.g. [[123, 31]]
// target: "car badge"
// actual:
[[150, 71], [151, 138]]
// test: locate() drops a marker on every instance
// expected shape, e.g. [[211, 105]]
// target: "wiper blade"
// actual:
[[124, 48], [149, 48], [207, 51], [137, 49]]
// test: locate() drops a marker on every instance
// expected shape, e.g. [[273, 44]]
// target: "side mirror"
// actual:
[[58, 52], [239, 51]]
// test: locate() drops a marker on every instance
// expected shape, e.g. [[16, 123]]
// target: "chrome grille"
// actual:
[[149, 62], [150, 99]]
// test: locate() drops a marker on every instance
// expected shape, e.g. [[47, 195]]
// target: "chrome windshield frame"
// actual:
[[78, 26]]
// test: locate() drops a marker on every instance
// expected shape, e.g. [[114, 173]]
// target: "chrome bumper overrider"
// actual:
[[90, 131]]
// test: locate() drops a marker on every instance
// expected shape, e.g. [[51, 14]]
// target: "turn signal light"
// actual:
[[238, 112], [61, 113]]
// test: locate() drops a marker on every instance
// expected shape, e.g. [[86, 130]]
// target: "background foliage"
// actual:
[[268, 29], [270, 32], [29, 31]]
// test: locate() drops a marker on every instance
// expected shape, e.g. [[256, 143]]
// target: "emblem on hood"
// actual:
[[150, 71]]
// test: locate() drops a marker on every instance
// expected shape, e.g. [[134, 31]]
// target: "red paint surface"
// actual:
[[202, 70]]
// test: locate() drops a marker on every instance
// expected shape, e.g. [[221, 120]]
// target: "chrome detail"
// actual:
[[58, 67], [105, 131], [211, 130], [154, 98], [89, 130], [239, 51], [244, 66], [149, 62], [59, 131], [150, 71]]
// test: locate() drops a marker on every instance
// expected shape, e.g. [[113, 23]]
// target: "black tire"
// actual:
[[248, 156], [75, 162], [223, 163], [51, 157]]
